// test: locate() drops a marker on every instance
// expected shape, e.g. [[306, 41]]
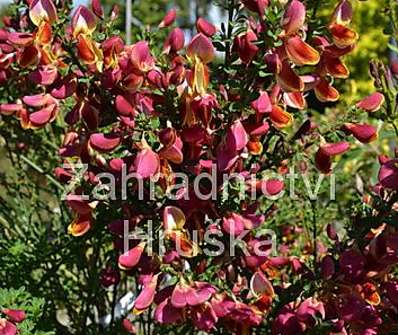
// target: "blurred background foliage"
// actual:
[[369, 21]]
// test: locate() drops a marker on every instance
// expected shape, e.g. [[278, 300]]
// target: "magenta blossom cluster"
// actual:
[[163, 110]]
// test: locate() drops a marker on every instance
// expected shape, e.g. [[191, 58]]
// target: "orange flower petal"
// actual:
[[301, 53], [44, 33], [343, 36], [89, 52], [80, 225], [255, 147], [288, 79], [336, 68], [325, 92], [294, 100], [280, 117], [185, 246]]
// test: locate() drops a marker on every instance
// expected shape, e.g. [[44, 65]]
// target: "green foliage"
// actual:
[[369, 21], [32, 306]]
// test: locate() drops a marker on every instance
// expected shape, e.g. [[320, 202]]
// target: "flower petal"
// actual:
[[166, 313], [20, 39], [64, 88], [364, 133], [289, 80], [141, 57], [130, 259], [42, 10], [14, 315], [147, 163], [104, 142], [333, 149], [173, 218], [294, 100], [202, 48], [294, 17], [205, 27], [301, 53], [260, 285], [9, 109], [168, 19], [343, 36], [236, 138], [178, 297], [325, 92], [45, 75], [145, 298], [124, 107], [343, 13], [43, 116], [175, 41], [7, 327], [280, 118], [83, 21], [97, 8], [80, 225], [29, 56], [336, 68], [371, 103]]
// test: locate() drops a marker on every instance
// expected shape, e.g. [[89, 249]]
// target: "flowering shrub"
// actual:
[[192, 142]]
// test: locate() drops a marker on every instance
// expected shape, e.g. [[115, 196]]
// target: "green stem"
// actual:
[[41, 171]]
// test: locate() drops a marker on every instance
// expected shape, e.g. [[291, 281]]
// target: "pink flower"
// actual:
[[147, 163], [204, 317], [191, 295], [141, 58], [145, 298], [371, 103], [130, 259], [42, 11], [175, 41], [7, 327], [202, 48], [236, 138], [294, 17], [326, 152], [233, 225], [14, 315], [83, 21], [166, 313], [343, 13], [388, 174], [205, 27], [169, 18], [364, 133], [128, 326], [104, 142], [257, 6], [244, 45], [262, 104]]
